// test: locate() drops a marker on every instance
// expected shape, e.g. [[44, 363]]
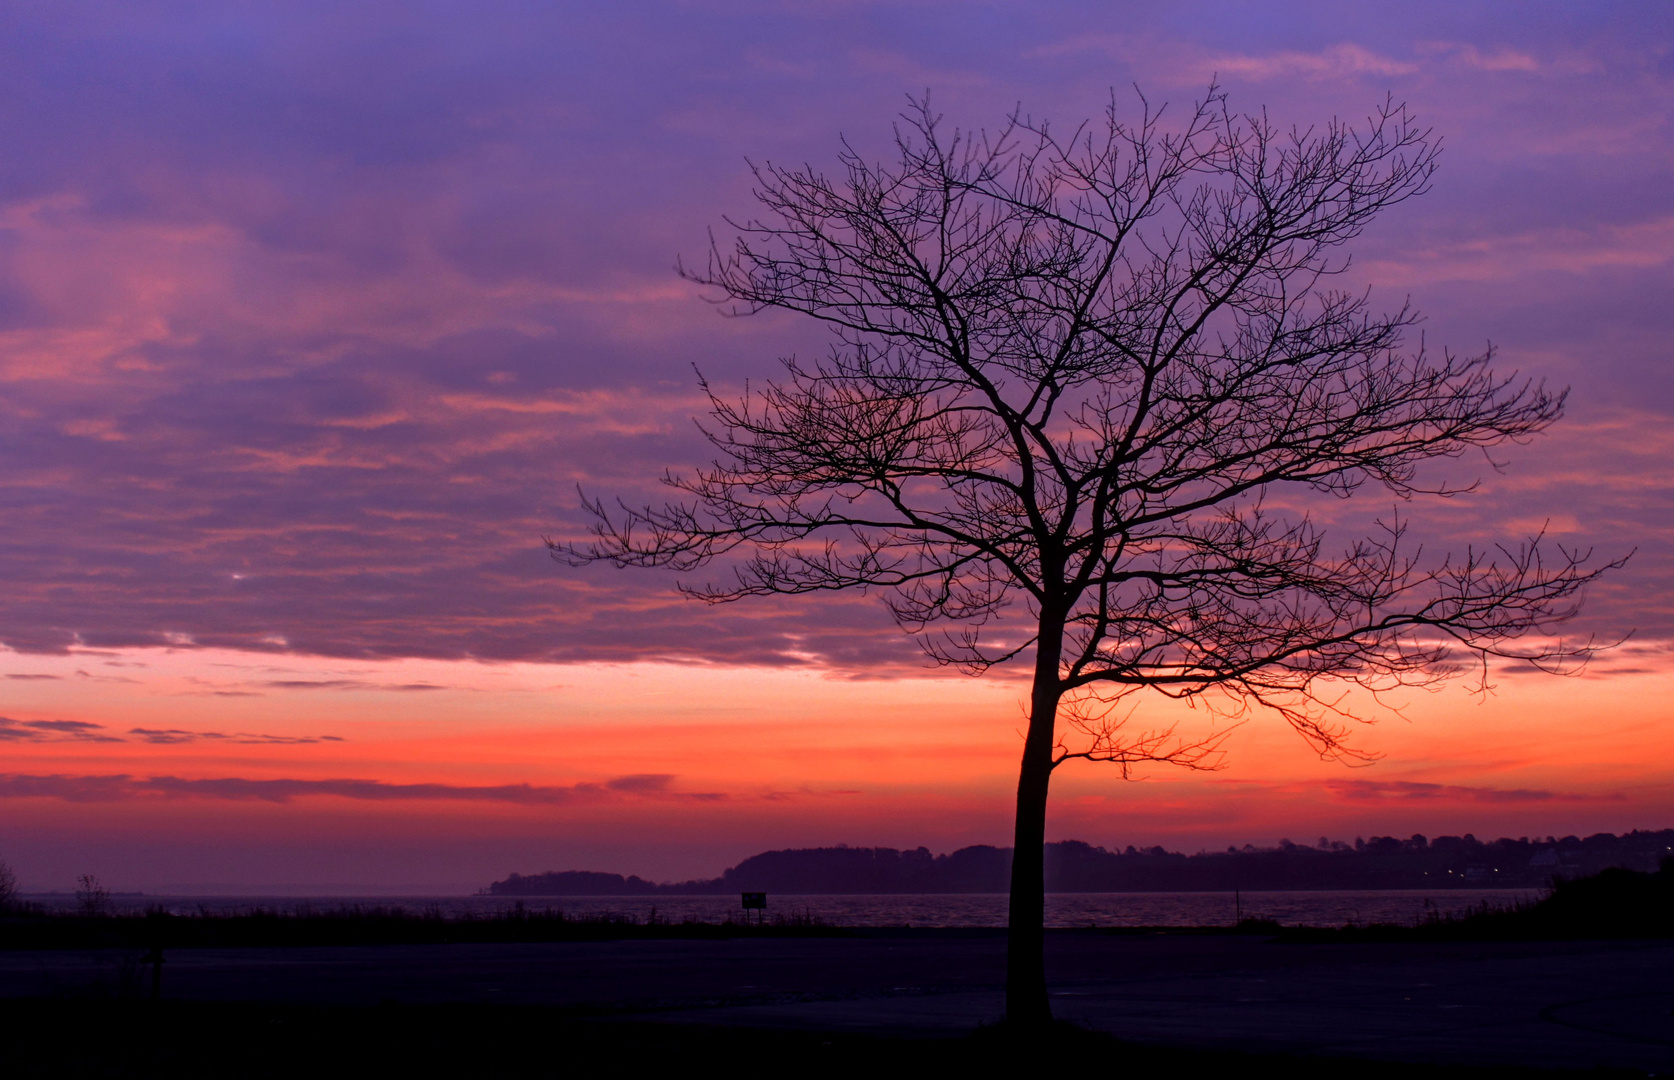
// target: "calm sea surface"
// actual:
[[983, 909]]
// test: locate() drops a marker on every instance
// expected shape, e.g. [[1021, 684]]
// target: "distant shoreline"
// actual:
[[1384, 862], [373, 900], [1612, 904]]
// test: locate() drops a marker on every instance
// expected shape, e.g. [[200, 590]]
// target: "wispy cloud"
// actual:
[[642, 782], [1553, 57], [1344, 60], [347, 684], [52, 731], [123, 787], [1490, 59], [1340, 61], [658, 784], [173, 736], [1565, 249], [86, 731], [1413, 791]]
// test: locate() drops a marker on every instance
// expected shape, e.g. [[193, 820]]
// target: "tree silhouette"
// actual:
[[8, 885], [92, 898], [1071, 374]]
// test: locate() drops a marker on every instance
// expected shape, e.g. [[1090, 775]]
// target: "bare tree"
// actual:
[[1070, 375], [92, 898], [8, 885]]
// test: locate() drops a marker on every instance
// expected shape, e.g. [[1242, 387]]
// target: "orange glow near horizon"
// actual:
[[682, 769]]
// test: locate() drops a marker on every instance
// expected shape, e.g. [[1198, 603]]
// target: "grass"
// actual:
[[61, 1038]]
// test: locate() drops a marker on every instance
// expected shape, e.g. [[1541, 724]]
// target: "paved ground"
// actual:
[[1576, 1004]]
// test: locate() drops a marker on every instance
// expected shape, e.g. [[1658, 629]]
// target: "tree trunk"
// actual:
[[1026, 1001]]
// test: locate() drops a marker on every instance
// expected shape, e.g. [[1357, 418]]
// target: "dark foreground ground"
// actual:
[[888, 1002]]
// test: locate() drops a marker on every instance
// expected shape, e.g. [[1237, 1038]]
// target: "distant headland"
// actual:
[[1383, 862]]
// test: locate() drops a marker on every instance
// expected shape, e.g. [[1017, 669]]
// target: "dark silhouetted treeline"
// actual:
[[1383, 862], [1613, 903]]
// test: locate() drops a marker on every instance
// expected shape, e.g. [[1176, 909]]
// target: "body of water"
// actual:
[[929, 910]]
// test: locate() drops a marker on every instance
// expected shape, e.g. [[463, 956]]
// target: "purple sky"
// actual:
[[311, 316]]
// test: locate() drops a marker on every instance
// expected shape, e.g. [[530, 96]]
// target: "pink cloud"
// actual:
[[122, 788], [1412, 791], [53, 730]]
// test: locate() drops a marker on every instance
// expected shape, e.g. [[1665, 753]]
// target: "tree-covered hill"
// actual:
[[1383, 862]]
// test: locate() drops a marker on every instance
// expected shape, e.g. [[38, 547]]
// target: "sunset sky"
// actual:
[[314, 316]]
